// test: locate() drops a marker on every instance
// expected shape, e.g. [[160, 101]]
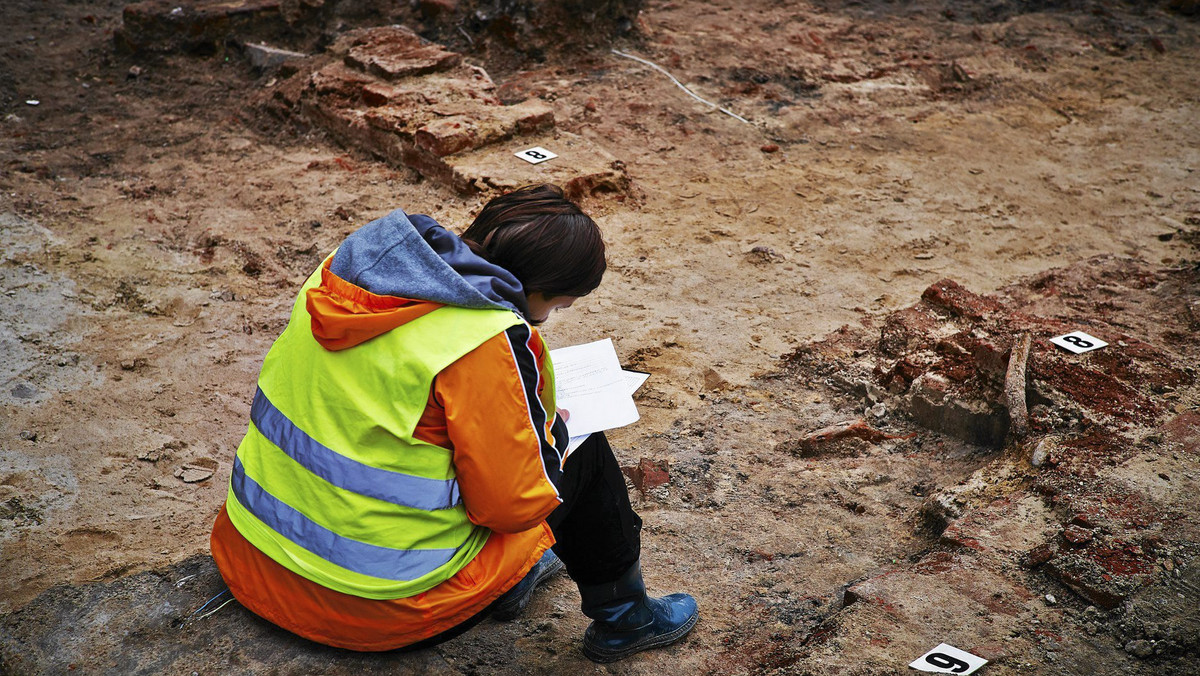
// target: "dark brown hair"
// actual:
[[541, 237]]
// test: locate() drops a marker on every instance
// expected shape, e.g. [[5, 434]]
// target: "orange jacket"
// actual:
[[484, 408]]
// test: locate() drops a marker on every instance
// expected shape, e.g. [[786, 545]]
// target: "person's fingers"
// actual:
[[564, 414]]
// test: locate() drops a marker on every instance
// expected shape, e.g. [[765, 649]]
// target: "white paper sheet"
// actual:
[[633, 380], [591, 385]]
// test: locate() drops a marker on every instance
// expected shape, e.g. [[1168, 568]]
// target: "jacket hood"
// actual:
[[398, 268], [413, 257]]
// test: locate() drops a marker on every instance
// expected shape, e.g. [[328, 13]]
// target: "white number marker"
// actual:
[[1078, 342], [946, 659], [535, 155]]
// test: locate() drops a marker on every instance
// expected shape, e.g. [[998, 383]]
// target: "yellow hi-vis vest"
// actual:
[[329, 481]]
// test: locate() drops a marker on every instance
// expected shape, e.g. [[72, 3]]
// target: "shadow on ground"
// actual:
[[148, 624]]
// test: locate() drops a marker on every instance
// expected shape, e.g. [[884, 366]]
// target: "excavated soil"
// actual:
[[826, 294]]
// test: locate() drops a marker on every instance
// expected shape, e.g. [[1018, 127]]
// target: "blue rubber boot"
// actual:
[[627, 621], [512, 603]]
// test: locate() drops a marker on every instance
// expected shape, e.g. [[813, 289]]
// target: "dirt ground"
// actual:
[[156, 224]]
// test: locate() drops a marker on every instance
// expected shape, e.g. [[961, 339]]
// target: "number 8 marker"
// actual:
[[1078, 342], [535, 155]]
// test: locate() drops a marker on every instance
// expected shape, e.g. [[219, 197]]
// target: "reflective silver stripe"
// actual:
[[383, 562], [394, 487]]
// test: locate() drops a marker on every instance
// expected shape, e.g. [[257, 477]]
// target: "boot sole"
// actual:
[[605, 656]]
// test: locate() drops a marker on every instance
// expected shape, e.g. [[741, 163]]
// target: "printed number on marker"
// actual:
[[946, 659], [955, 665], [535, 155], [1078, 342]]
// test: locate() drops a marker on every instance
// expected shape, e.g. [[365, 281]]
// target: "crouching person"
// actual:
[[405, 473]]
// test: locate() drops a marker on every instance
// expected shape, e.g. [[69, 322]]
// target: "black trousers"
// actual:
[[598, 535]]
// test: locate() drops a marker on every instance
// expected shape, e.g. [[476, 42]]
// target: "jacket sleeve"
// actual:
[[507, 452]]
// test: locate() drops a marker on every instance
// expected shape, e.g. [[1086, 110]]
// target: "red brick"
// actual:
[[1077, 535], [811, 443], [956, 534], [1040, 554], [1106, 574], [339, 83], [480, 125], [533, 116], [907, 330], [936, 562], [396, 52], [381, 94], [1083, 519], [393, 119], [648, 474], [447, 136], [952, 296]]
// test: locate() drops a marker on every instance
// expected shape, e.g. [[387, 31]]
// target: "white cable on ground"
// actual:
[[207, 603], [214, 610], [690, 93]]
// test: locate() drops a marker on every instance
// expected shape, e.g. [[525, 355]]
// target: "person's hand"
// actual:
[[564, 414]]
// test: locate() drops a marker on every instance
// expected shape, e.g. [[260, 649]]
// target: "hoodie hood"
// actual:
[[398, 268], [415, 258]]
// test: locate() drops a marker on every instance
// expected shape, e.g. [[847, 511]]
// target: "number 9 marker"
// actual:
[[946, 659]]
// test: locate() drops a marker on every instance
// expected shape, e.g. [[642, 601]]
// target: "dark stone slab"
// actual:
[[168, 25]]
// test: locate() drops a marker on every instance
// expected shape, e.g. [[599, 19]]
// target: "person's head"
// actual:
[[546, 241]]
